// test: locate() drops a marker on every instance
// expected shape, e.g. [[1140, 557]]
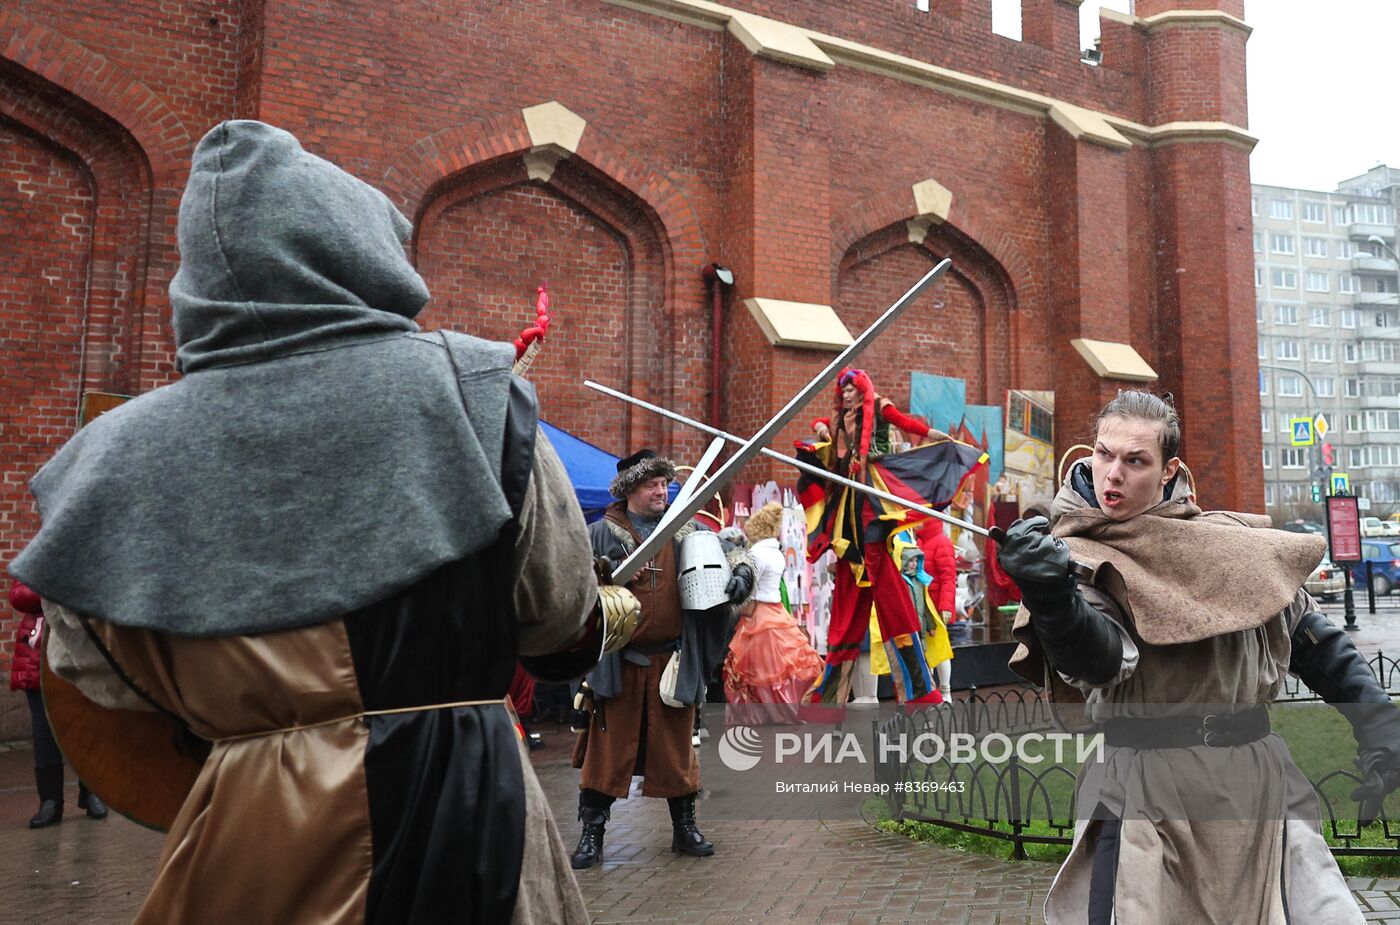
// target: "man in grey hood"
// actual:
[[320, 554]]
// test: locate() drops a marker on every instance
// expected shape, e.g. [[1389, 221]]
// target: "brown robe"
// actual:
[[635, 733], [1220, 835]]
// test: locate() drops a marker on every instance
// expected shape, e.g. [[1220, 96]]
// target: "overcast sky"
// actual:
[[1324, 85]]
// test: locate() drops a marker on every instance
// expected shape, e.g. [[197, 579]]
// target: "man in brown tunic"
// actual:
[[632, 731]]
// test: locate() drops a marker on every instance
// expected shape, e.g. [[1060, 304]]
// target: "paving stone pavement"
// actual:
[[809, 872]]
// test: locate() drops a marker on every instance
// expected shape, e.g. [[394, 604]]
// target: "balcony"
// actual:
[[1360, 231], [1376, 299], [1365, 263]]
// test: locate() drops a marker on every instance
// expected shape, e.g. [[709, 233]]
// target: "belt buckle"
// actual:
[[1207, 732]]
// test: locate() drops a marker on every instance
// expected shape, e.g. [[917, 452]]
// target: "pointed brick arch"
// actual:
[[895, 207], [965, 331], [90, 77]]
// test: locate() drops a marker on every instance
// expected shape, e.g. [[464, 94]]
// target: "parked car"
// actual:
[[1384, 557], [1374, 526], [1327, 582], [1302, 526]]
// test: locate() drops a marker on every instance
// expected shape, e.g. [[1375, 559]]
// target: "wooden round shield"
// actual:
[[141, 763]]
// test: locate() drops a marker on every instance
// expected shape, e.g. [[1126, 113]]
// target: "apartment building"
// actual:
[[1328, 313]]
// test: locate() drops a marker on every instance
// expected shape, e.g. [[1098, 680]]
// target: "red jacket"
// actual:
[[940, 562], [24, 667]]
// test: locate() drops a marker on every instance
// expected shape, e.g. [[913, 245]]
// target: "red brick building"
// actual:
[[825, 152]]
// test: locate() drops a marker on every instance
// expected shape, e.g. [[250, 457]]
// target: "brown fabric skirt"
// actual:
[[642, 736]]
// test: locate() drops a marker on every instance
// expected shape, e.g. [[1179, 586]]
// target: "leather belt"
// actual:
[[505, 701], [1213, 730]]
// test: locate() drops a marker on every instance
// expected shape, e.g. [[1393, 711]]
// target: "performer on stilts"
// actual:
[[856, 443]]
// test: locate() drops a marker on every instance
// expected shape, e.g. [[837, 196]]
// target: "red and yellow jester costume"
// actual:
[[857, 527]]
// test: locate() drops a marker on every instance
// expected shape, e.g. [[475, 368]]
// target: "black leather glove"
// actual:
[[604, 567], [1031, 556], [740, 584], [1326, 661], [1079, 641]]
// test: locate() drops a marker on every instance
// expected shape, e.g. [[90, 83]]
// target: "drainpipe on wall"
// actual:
[[717, 278]]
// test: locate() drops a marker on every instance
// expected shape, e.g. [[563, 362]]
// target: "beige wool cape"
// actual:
[[1205, 603]]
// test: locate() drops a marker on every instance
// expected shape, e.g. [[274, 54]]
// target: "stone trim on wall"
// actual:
[[1106, 129], [800, 324], [1114, 361]]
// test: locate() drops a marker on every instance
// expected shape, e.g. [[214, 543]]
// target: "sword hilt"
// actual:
[[1077, 569]]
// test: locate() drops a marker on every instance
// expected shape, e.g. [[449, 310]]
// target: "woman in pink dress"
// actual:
[[771, 663]]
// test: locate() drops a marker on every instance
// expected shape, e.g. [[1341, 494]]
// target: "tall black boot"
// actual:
[[594, 810], [49, 781], [685, 837], [91, 802]]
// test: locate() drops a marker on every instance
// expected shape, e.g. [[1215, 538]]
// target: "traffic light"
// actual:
[[1317, 492], [1327, 455]]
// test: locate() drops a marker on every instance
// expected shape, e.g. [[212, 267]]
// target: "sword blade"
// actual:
[[691, 484], [817, 471], [683, 512]]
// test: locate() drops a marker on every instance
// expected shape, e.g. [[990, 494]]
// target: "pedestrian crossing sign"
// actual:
[[1302, 428], [1341, 483]]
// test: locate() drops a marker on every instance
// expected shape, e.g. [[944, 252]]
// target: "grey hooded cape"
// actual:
[[319, 454]]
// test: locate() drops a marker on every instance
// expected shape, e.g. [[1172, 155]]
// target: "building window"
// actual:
[[1292, 457], [1351, 388], [1268, 458], [1349, 353], [1339, 216], [1318, 282], [1258, 241], [1378, 351], [1263, 383], [1286, 350], [1258, 277], [1371, 213], [1264, 422], [1286, 314], [1349, 318], [1314, 212], [1315, 247], [1263, 347], [1326, 386], [1254, 205], [1347, 283], [1258, 312], [1355, 458], [1319, 316], [1279, 208], [1284, 279], [1281, 243], [1385, 320], [1346, 250], [1269, 495], [1353, 423], [1320, 351], [1290, 386]]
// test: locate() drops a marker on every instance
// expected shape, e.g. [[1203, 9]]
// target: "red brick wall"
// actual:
[[694, 151], [46, 216]]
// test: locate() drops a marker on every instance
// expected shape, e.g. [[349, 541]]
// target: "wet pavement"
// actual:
[[85, 871]]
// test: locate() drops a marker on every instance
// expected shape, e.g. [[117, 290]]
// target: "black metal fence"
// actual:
[[1008, 799]]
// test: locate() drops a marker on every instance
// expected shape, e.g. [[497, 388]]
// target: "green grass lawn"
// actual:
[[1318, 737]]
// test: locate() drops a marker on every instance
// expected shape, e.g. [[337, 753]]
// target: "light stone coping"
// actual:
[[1087, 124], [714, 16], [778, 41], [1114, 361], [800, 324], [1173, 18]]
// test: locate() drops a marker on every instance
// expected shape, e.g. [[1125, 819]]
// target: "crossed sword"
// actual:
[[699, 487]]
